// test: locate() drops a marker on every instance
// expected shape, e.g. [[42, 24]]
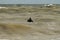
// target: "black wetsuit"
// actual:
[[29, 20]]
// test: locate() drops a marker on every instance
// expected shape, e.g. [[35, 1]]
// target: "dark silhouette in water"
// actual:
[[30, 20]]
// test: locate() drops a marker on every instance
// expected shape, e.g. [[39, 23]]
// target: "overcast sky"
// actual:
[[29, 1]]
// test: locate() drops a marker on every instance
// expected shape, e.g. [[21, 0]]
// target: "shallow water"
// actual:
[[46, 25]]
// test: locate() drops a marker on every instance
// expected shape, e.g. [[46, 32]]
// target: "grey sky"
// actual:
[[29, 1]]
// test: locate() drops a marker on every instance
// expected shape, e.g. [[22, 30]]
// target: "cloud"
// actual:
[[29, 1]]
